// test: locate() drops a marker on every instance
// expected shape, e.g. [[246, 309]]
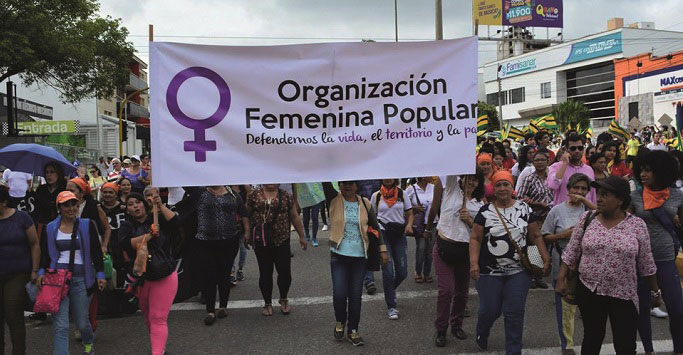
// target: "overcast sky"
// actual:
[[267, 22]]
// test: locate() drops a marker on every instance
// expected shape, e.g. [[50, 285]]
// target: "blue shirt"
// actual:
[[15, 252], [352, 243]]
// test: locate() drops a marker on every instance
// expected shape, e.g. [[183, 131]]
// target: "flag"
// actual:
[[616, 130], [515, 133], [534, 127], [504, 131], [548, 122], [482, 125]]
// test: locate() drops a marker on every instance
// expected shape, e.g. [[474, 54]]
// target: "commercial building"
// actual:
[[89, 128], [532, 84], [647, 87]]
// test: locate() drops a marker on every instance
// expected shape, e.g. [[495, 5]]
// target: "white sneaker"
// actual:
[[393, 313], [658, 313], [325, 227]]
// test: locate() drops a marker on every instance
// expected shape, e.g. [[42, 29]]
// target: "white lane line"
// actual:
[[660, 346], [306, 301]]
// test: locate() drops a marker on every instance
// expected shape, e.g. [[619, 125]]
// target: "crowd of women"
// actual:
[[607, 232]]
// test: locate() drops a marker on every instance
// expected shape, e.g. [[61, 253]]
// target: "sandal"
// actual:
[[429, 279], [419, 279], [284, 309], [267, 310]]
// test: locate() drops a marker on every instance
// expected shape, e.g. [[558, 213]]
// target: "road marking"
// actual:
[[307, 301], [660, 346]]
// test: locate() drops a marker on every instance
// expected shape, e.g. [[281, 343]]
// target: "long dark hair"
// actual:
[[522, 157], [478, 192], [61, 179], [617, 156]]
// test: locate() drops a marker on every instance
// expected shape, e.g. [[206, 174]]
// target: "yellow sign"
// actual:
[[488, 12]]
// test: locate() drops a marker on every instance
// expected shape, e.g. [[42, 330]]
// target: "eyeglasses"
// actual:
[[575, 148]]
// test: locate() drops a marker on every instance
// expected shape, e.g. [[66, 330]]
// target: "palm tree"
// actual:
[[573, 113]]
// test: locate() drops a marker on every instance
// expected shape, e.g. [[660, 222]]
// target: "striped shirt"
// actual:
[[534, 188]]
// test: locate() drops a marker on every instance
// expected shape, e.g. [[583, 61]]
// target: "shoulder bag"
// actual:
[[374, 259], [573, 275], [418, 218], [56, 282], [531, 259]]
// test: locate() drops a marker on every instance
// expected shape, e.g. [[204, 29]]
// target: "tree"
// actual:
[[63, 44], [573, 113], [485, 109]]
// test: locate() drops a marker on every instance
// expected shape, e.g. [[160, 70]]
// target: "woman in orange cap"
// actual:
[[499, 228], [115, 212], [485, 163], [66, 235]]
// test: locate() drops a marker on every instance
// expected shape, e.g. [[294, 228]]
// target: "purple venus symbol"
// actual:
[[199, 145]]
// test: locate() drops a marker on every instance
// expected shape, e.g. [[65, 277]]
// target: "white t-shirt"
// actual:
[[660, 146], [18, 182], [64, 255], [450, 225], [425, 196], [395, 214]]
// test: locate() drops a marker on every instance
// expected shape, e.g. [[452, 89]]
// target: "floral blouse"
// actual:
[[611, 260], [262, 211]]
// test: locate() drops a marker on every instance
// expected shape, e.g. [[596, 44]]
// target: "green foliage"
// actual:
[[572, 113], [485, 109], [64, 44]]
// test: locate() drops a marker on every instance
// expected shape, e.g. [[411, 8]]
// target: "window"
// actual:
[[632, 110], [517, 95], [492, 99], [545, 90]]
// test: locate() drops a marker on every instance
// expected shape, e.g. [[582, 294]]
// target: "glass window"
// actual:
[[545, 90], [517, 95], [492, 99]]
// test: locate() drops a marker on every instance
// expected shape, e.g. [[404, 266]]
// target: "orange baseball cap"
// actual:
[[65, 196]]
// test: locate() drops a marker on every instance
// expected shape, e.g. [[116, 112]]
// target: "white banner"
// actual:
[[312, 112]]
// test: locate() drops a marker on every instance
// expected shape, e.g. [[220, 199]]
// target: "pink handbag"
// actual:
[[56, 283], [55, 287]]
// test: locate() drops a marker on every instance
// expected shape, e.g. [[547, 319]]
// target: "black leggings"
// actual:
[[595, 310], [277, 256], [218, 257]]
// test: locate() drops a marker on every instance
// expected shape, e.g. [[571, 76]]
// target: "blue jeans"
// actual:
[[79, 301], [396, 270], [423, 256], [506, 295], [347, 288], [670, 284], [243, 256], [311, 213]]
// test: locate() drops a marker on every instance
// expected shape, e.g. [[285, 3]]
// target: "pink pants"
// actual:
[[453, 283], [155, 300]]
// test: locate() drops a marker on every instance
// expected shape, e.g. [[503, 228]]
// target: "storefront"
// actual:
[[648, 87]]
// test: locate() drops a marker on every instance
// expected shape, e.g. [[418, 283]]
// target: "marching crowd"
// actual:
[[603, 220]]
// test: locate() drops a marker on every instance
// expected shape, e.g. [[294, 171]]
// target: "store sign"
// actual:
[[517, 67], [45, 128], [525, 13], [595, 48], [31, 108], [670, 81]]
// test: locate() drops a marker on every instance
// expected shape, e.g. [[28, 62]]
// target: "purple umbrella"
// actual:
[[31, 158]]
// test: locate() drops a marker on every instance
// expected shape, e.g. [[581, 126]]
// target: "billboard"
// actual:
[[524, 13], [595, 47]]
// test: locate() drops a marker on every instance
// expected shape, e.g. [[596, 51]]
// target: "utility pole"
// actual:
[[396, 19], [439, 20], [500, 96], [11, 118]]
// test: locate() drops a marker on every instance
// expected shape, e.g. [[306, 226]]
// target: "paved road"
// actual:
[[308, 330]]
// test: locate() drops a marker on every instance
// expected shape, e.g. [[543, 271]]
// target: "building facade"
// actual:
[[531, 85]]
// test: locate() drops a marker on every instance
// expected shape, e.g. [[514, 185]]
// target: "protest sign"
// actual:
[[312, 112]]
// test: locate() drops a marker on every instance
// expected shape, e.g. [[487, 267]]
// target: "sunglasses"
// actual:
[[575, 148]]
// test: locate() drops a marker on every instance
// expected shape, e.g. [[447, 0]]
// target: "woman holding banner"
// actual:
[[395, 216], [351, 219], [160, 280], [462, 199], [272, 212]]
